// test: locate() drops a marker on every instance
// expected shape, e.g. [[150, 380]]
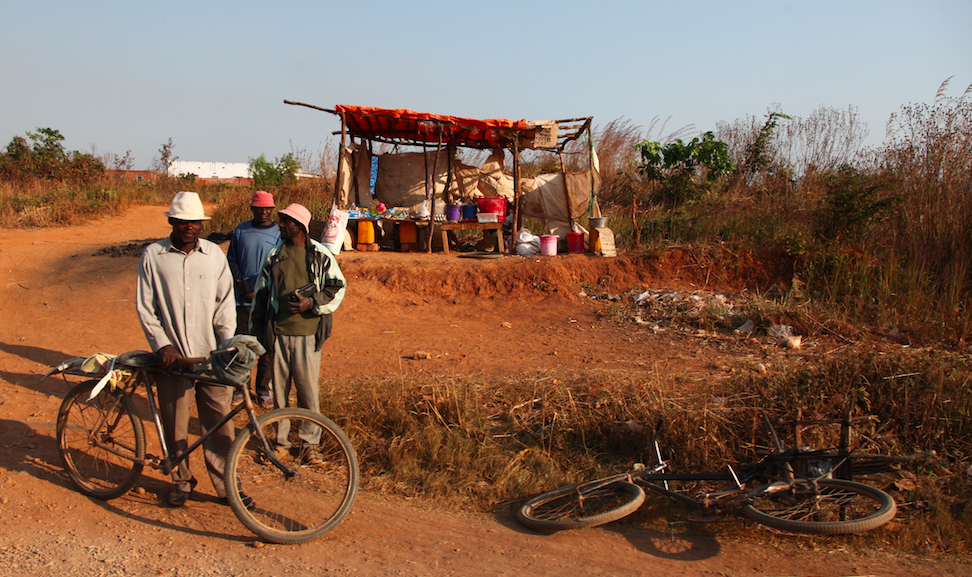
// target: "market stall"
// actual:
[[429, 181]]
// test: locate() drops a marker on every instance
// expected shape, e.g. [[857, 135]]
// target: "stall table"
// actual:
[[483, 226]]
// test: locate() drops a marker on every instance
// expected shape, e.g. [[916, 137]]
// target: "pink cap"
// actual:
[[298, 213], [262, 198]]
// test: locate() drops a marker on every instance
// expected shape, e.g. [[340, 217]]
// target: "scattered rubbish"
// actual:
[[745, 329], [783, 334], [527, 243], [506, 325], [419, 355]]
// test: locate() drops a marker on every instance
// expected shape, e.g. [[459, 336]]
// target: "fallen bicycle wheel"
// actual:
[[831, 508], [581, 505], [100, 441], [309, 498]]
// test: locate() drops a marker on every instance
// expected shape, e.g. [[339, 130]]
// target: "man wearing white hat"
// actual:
[[299, 287], [185, 304]]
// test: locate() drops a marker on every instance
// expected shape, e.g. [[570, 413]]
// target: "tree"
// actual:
[[164, 161], [266, 174], [48, 153], [684, 170], [46, 158]]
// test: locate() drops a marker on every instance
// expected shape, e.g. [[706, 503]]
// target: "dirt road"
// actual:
[[474, 317]]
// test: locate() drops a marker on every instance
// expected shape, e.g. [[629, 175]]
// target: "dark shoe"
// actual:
[[179, 497]]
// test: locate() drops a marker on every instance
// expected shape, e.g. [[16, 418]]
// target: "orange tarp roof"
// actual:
[[408, 126]]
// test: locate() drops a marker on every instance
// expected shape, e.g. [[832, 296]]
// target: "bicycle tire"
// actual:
[[837, 508], [563, 508], [98, 471], [306, 505]]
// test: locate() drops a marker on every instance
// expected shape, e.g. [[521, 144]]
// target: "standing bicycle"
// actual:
[[280, 497]]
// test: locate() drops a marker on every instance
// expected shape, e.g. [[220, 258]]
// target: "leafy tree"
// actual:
[[46, 158], [684, 170], [267, 174]]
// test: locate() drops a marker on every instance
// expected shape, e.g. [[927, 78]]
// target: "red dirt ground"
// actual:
[[502, 316]]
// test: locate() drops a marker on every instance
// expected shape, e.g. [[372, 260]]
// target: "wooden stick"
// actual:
[[517, 215], [310, 106]]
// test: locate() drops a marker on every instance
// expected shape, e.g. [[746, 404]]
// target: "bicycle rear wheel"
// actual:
[[834, 508], [103, 463], [284, 508], [582, 505]]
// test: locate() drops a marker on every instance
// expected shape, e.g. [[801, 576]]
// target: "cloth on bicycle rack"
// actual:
[[236, 367], [103, 362]]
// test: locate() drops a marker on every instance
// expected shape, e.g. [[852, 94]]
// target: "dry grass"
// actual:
[[486, 443]]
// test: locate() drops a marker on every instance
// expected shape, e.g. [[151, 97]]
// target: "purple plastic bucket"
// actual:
[[453, 212]]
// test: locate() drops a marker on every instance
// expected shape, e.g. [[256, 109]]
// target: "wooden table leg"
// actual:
[[499, 241], [445, 240]]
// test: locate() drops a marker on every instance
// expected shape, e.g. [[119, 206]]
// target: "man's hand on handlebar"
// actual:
[[170, 358]]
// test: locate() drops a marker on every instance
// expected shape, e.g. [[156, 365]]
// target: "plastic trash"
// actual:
[[527, 243], [745, 329]]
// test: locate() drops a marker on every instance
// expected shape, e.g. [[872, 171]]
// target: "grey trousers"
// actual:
[[176, 395], [294, 359]]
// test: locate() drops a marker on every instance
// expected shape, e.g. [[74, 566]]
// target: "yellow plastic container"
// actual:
[[407, 233], [366, 232]]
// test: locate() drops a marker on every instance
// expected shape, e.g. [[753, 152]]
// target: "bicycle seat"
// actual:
[[139, 359]]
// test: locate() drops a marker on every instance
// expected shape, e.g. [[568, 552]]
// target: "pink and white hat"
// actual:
[[298, 213]]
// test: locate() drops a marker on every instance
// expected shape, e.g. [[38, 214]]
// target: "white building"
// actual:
[[210, 170]]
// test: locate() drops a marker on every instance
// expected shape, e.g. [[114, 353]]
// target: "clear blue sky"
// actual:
[[129, 75]]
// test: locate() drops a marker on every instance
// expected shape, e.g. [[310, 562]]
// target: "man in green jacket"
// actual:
[[299, 287]]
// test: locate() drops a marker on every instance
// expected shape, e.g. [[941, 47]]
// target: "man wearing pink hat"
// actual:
[[248, 249], [299, 287]]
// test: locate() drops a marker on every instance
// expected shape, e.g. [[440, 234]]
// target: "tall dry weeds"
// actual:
[[929, 155]]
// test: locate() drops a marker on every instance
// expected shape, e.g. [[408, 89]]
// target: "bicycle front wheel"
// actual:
[[582, 505], [833, 508], [298, 507], [101, 442]]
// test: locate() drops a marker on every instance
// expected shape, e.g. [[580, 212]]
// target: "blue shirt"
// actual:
[[248, 250]]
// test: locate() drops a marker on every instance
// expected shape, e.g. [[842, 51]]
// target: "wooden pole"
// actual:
[[590, 163], [447, 195], [563, 170], [517, 215]]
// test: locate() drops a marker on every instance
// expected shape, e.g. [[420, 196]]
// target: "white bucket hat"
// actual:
[[186, 206]]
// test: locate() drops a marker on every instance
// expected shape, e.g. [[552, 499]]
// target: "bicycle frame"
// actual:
[[166, 464]]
